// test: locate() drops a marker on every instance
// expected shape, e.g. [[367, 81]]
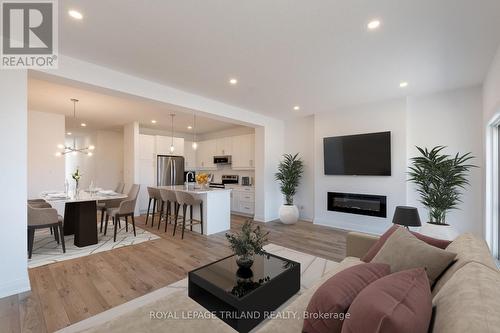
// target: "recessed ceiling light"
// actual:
[[190, 127], [233, 81], [374, 24], [403, 84], [69, 133], [83, 125], [153, 121], [75, 14], [296, 108]]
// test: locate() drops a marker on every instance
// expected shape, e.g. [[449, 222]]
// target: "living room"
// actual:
[[297, 77]]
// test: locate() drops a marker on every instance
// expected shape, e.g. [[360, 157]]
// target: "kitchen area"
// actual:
[[226, 158]]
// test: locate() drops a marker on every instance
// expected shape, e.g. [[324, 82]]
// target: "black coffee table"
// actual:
[[240, 297]]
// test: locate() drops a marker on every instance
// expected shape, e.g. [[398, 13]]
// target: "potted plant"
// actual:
[[290, 171], [439, 179], [247, 243]]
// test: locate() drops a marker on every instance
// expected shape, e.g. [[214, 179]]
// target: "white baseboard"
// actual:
[[15, 287]]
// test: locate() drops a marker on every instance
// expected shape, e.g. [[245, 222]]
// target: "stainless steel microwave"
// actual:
[[222, 159]]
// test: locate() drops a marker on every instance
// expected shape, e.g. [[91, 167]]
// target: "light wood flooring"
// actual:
[[66, 292]]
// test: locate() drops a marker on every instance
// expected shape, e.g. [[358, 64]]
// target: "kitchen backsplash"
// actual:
[[227, 170]]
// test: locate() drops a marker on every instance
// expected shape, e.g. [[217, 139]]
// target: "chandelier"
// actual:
[[74, 150]]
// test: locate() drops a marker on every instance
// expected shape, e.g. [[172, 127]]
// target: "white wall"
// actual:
[[45, 170], [269, 147], [108, 159], [105, 166], [491, 89], [131, 157], [299, 138], [13, 177], [377, 117], [85, 164], [451, 119]]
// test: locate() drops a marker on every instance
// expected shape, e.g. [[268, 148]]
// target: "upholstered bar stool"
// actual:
[[168, 211], [186, 200], [155, 197]]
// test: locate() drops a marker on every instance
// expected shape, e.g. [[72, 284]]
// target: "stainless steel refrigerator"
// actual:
[[169, 170]]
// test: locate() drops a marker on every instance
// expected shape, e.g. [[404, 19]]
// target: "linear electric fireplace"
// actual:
[[362, 204]]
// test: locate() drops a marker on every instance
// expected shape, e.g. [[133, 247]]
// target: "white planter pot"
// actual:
[[446, 232], [289, 214]]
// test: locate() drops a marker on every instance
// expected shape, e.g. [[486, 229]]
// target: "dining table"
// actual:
[[80, 212]]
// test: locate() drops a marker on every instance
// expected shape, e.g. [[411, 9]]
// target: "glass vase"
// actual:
[[244, 261]]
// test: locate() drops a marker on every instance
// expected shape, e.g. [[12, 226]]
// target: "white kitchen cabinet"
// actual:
[[243, 200], [163, 144], [205, 154], [147, 147], [235, 202], [243, 153], [189, 156], [224, 146]]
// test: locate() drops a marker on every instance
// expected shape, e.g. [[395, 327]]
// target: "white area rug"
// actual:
[[312, 269], [47, 251]]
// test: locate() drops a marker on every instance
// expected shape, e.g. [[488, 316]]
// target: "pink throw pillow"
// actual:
[[327, 307], [400, 302]]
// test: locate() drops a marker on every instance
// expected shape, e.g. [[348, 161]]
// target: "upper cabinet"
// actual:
[[224, 146], [147, 148], [243, 153], [205, 154], [163, 144], [189, 156]]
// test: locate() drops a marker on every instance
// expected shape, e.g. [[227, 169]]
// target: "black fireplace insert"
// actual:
[[362, 204]]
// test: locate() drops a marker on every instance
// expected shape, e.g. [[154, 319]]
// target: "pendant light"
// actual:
[[74, 150], [172, 148], [195, 144]]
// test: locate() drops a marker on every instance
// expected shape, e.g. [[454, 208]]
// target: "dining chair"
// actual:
[[125, 209], [186, 200], [40, 217], [167, 213], [155, 197], [102, 206]]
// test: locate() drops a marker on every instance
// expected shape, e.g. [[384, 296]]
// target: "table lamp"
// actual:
[[406, 216]]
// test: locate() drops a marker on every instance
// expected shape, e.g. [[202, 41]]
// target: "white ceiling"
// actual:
[[101, 111], [317, 54]]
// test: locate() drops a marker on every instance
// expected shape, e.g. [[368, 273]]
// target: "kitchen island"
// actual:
[[216, 207]]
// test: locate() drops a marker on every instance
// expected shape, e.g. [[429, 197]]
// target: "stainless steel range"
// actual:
[[226, 179]]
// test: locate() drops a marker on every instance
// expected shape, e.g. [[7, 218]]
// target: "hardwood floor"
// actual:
[[66, 292]]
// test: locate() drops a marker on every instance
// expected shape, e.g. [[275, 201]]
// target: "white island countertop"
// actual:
[[216, 207], [192, 189]]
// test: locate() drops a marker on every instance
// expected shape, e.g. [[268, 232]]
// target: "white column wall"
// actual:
[[13, 177]]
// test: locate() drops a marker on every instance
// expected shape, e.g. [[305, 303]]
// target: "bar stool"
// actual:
[[154, 195], [170, 199], [185, 199]]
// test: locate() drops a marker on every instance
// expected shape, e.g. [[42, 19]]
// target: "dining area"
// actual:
[[58, 221]]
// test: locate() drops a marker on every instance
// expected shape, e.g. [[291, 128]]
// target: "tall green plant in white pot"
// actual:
[[290, 171], [440, 180]]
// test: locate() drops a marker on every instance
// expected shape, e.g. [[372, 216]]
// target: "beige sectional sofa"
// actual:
[[466, 297]]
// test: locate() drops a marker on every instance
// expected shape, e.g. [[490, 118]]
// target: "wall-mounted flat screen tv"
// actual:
[[361, 155]]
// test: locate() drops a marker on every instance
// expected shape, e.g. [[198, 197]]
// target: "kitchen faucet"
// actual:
[[186, 183]]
